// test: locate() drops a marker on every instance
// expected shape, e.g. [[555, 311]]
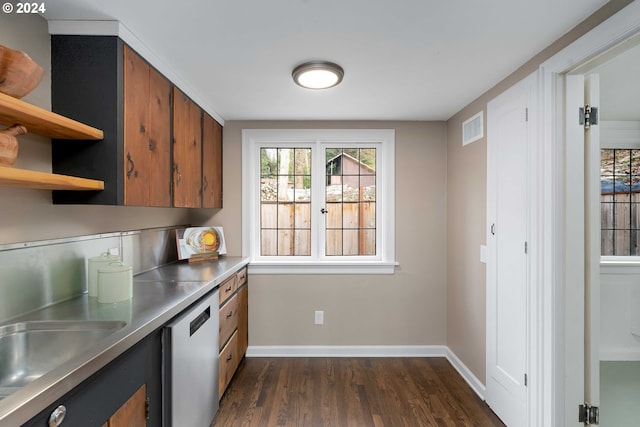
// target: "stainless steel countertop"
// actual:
[[158, 296]]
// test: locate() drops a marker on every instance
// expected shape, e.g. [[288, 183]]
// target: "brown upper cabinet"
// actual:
[[211, 162], [187, 152], [147, 133], [158, 150]]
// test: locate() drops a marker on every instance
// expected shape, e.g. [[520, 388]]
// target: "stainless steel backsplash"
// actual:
[[34, 275]]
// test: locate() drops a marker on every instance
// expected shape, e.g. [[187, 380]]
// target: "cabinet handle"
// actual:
[[230, 357], [57, 416], [228, 289], [206, 183], [230, 314], [132, 165], [178, 175]]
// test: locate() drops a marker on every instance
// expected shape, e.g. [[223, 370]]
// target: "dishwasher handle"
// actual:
[[199, 321]]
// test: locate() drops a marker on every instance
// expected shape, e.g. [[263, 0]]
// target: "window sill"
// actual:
[[258, 267], [620, 265]]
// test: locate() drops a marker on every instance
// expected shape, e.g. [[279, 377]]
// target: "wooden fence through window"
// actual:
[[286, 228], [619, 221]]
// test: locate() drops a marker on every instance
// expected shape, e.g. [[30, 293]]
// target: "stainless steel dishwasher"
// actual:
[[190, 352]]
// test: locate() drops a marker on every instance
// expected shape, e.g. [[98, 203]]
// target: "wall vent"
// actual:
[[473, 129]]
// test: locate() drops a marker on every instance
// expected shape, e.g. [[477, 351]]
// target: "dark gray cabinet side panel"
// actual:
[[99, 397], [87, 85]]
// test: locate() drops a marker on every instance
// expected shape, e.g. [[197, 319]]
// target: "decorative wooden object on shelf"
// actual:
[[13, 177], [9, 144], [43, 122], [19, 74]]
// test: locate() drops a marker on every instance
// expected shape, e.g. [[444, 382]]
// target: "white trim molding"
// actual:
[[372, 351], [317, 140]]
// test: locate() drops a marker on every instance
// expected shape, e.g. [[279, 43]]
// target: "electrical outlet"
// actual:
[[319, 318]]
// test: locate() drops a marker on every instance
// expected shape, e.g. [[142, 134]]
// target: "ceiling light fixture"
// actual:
[[317, 74]]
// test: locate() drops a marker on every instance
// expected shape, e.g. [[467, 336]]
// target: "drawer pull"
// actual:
[[132, 166], [228, 289], [230, 357], [230, 315]]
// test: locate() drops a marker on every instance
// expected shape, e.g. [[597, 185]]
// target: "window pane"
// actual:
[[269, 242], [285, 195], [268, 215], [302, 216], [368, 242], [334, 243], [368, 159], [350, 196], [350, 242], [302, 242], [350, 215], [285, 242], [285, 215], [333, 215]]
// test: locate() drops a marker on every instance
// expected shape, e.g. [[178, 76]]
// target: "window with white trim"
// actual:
[[319, 201], [620, 191]]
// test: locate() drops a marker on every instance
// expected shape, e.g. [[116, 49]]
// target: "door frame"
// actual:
[[559, 394]]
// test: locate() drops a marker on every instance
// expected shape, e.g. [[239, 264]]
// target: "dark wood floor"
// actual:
[[348, 392]]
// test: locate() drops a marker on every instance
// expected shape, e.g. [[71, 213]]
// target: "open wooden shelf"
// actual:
[[22, 178], [43, 122]]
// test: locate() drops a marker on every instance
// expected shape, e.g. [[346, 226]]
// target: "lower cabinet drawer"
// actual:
[[227, 288], [228, 319], [229, 360]]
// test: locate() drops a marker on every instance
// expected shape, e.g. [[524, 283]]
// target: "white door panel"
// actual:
[[574, 250], [582, 315], [507, 269]]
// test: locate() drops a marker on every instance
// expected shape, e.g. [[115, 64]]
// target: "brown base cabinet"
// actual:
[[125, 393], [133, 413], [233, 327]]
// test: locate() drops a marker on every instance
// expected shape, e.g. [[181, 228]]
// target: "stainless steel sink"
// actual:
[[29, 350]]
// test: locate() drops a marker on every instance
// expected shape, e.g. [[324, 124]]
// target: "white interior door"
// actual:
[[592, 246], [508, 264], [582, 291]]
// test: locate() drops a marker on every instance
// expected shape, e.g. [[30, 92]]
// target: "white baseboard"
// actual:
[[347, 351], [466, 373], [371, 351]]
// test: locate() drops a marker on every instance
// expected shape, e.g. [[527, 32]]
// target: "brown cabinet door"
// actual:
[[136, 158], [227, 363], [133, 413], [159, 143], [243, 320], [147, 134], [187, 152], [211, 163]]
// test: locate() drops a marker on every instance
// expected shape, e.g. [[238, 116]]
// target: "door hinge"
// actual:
[[589, 415], [588, 116], [525, 380], [147, 410], [526, 247], [526, 114]]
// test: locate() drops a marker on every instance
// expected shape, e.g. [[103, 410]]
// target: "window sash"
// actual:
[[319, 140]]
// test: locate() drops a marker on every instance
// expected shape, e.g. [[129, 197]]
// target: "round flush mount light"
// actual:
[[317, 74]]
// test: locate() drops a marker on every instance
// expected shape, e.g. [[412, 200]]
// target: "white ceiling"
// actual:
[[403, 59]]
